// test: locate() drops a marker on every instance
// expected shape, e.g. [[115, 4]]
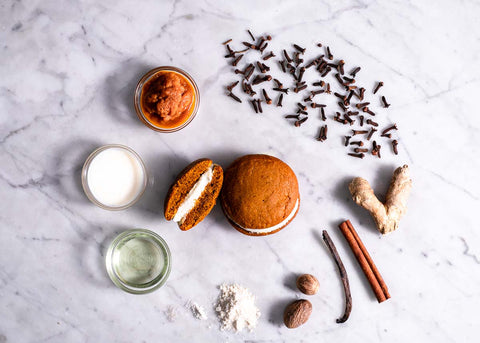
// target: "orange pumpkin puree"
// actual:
[[167, 99]]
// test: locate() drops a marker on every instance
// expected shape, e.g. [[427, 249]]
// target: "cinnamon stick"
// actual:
[[366, 263]]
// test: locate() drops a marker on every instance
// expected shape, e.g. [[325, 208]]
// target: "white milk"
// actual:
[[115, 177]]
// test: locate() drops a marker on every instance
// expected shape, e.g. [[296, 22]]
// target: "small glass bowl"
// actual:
[[87, 189], [131, 269], [138, 98]]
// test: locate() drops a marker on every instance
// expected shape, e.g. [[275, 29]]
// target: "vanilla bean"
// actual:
[[343, 275], [380, 84], [233, 96], [232, 86]]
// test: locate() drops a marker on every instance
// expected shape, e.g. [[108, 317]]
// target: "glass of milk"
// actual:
[[114, 177]]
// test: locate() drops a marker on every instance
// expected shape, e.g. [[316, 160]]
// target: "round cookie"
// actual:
[[260, 195], [194, 193]]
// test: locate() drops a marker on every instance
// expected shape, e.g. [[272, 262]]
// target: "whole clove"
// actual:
[[319, 84], [367, 110], [300, 122], [394, 146], [283, 90], [259, 79], [280, 99], [314, 105], [340, 96], [359, 132], [361, 120], [362, 105], [325, 73], [341, 63], [318, 91], [293, 116], [379, 84], [267, 98], [342, 105], [301, 106], [361, 155], [262, 49], [347, 140], [339, 79], [236, 60], [322, 114], [254, 104], [327, 90], [329, 54], [299, 111], [227, 41], [287, 57], [385, 103], [393, 127], [370, 134], [250, 46], [249, 71], [251, 35], [322, 136], [282, 66], [359, 143], [361, 94], [233, 96], [310, 64], [299, 89], [268, 56], [279, 84], [371, 122], [300, 49], [355, 71], [259, 104], [232, 86], [358, 150]]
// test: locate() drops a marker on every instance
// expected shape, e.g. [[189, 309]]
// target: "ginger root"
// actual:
[[386, 216]]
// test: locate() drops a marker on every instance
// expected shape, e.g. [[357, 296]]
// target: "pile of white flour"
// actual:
[[236, 308]]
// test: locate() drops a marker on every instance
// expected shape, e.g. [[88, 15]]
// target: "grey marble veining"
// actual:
[[68, 71]]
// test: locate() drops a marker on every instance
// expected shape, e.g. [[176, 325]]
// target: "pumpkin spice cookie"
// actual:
[[194, 193], [260, 195]]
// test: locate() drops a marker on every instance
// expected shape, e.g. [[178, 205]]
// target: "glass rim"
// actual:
[[138, 94], [86, 187], [158, 281]]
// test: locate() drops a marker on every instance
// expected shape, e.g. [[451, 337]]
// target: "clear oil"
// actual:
[[138, 260]]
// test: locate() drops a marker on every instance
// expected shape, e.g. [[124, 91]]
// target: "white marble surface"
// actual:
[[68, 70]]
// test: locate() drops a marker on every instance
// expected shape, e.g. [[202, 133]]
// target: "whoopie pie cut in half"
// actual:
[[194, 193], [260, 195]]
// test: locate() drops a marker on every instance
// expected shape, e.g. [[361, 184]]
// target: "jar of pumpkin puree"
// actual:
[[166, 99]]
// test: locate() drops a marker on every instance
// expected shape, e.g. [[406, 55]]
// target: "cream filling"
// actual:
[[193, 195], [275, 227]]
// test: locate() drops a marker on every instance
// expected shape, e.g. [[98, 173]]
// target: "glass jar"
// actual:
[[138, 261], [138, 100]]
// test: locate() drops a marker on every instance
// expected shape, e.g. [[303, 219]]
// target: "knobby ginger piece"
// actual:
[[386, 216]]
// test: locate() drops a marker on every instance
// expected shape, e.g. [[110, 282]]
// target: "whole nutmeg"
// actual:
[[297, 313], [308, 284]]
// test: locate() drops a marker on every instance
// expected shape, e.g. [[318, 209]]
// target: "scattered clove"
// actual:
[[380, 84], [280, 99]]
